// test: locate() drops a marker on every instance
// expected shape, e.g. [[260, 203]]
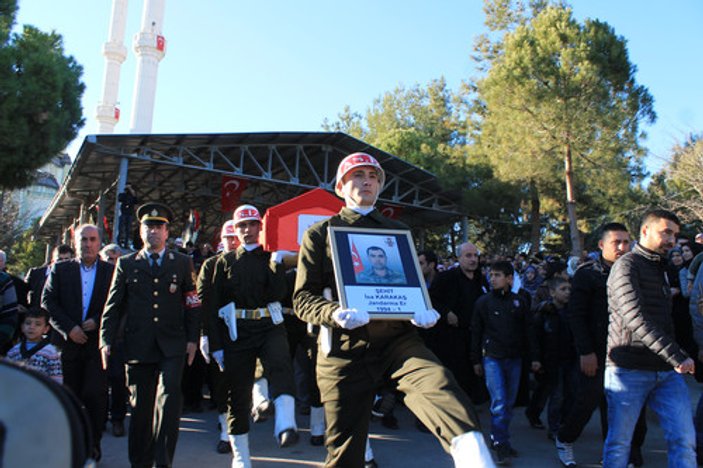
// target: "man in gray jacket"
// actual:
[[644, 363]]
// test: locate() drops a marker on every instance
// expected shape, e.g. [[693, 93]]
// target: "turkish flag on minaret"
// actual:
[[232, 188]]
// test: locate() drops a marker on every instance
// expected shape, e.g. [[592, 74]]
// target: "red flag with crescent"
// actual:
[[391, 211], [356, 260], [232, 188]]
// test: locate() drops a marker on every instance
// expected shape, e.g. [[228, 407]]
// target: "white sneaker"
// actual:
[[565, 452]]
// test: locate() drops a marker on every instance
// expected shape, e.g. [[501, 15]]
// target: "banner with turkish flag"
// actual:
[[231, 192], [356, 260], [391, 211]]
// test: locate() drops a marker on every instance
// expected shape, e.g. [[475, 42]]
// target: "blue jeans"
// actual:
[[698, 424], [502, 380], [627, 390]]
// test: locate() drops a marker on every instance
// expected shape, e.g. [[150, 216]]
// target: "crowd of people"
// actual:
[[264, 333]]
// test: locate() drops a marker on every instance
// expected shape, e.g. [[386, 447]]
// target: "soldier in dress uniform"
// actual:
[[219, 385], [246, 322], [356, 355], [153, 297]]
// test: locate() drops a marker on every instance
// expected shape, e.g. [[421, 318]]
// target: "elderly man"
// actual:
[[454, 293], [358, 354], [74, 295]]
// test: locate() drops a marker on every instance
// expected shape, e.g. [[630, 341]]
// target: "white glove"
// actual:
[[276, 311], [350, 318], [277, 256], [219, 357], [425, 318], [205, 348]]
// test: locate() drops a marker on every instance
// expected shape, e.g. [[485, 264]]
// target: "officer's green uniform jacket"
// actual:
[[250, 280], [315, 273], [160, 314]]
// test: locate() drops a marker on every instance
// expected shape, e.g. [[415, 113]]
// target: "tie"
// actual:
[[154, 264]]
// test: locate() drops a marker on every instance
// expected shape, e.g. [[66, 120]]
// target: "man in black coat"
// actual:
[[74, 295], [454, 294], [36, 277], [153, 294], [588, 320]]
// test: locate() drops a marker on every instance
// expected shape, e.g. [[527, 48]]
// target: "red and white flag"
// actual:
[[231, 192], [356, 260]]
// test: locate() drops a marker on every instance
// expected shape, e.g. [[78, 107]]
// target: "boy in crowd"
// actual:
[[34, 349], [498, 342], [552, 357]]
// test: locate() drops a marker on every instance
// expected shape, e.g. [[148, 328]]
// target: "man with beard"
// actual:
[[644, 363], [587, 315]]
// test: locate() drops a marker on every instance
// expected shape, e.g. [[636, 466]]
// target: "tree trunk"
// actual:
[[535, 229], [571, 203]]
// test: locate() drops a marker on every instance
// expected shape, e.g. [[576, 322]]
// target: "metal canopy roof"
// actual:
[[185, 171]]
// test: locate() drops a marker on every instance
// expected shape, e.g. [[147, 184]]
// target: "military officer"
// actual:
[[153, 293], [357, 354], [246, 322]]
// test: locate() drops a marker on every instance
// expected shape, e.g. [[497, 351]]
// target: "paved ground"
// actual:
[[402, 448]]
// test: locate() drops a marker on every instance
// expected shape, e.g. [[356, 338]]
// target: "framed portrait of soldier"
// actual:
[[377, 270]]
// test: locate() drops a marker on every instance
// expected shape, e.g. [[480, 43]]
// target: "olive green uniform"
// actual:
[[250, 280], [160, 312], [361, 360]]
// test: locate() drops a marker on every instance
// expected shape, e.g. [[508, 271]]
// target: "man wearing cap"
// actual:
[[219, 390], [153, 297], [357, 354], [245, 322]]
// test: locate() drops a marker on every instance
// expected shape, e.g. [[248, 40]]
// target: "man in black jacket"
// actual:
[[454, 294], [74, 295], [644, 363], [588, 319]]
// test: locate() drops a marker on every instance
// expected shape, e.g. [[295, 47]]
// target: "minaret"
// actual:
[[115, 53], [150, 47]]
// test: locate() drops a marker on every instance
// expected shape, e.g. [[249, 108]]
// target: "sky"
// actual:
[[283, 65]]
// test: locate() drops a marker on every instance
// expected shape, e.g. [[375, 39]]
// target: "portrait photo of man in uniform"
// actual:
[[376, 267]]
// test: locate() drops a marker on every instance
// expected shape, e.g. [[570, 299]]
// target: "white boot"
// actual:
[[261, 407], [224, 428], [259, 392], [469, 450], [368, 455], [317, 421], [285, 414], [240, 451]]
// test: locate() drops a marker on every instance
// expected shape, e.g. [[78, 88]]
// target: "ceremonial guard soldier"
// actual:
[[153, 296], [246, 322], [359, 354]]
